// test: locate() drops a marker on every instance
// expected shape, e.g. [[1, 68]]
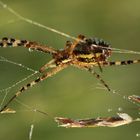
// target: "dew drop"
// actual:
[[138, 135], [114, 91], [4, 6], [30, 50], [109, 109], [124, 97], [36, 71], [120, 109], [28, 68], [138, 119], [35, 110]]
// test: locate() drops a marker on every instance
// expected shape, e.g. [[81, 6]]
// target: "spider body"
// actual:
[[92, 50], [83, 53], [61, 57]]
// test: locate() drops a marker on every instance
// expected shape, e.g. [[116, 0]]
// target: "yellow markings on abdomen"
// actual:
[[89, 56]]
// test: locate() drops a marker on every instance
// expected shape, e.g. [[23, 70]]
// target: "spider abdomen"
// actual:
[[92, 50]]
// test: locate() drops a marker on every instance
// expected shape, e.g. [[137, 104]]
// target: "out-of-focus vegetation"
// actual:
[[72, 92]]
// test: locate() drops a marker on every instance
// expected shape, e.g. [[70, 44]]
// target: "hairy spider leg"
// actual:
[[10, 42], [115, 63], [73, 45], [39, 79], [108, 63], [119, 63], [50, 64], [100, 67], [92, 71], [89, 67]]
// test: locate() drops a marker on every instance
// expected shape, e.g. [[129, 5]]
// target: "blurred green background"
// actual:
[[72, 92]]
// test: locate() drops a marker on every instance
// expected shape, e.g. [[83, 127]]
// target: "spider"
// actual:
[[83, 53]]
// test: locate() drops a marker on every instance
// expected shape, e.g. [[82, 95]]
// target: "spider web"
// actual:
[[34, 72], [7, 90]]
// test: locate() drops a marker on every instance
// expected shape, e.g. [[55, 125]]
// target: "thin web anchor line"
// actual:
[[30, 135], [31, 108], [3, 59], [6, 90], [123, 51], [15, 84], [34, 22], [116, 50], [115, 92], [5, 6]]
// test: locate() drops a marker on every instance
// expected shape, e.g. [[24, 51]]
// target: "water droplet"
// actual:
[[30, 50], [124, 97], [28, 68], [138, 135], [114, 91], [138, 119], [4, 6], [120, 109], [109, 109], [35, 110]]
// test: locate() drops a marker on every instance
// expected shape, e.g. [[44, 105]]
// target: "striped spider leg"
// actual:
[[93, 52], [93, 72], [84, 53], [9, 42], [59, 62], [39, 79]]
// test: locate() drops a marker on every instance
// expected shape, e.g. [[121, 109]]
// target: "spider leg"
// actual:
[[10, 42], [68, 44], [50, 64], [39, 79], [100, 67], [73, 45], [118, 63], [92, 71]]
